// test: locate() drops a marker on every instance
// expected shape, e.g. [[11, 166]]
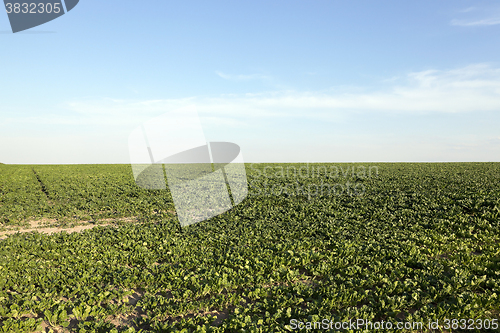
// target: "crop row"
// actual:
[[420, 244]]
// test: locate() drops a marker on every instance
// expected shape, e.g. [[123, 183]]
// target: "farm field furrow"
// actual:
[[398, 242], [72, 193]]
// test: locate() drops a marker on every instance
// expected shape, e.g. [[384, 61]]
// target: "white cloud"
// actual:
[[468, 9], [242, 77], [473, 88], [481, 22], [284, 125], [468, 89], [478, 16]]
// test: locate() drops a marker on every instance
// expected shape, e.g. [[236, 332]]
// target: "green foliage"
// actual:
[[20, 195], [421, 243], [56, 317], [20, 325], [75, 193]]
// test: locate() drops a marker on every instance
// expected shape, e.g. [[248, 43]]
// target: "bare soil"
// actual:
[[49, 226]]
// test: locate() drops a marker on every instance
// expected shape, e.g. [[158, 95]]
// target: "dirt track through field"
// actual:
[[44, 226]]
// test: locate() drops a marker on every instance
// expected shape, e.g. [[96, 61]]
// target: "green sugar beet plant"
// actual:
[[418, 242]]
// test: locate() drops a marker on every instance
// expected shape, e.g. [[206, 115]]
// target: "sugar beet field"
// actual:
[[397, 243]]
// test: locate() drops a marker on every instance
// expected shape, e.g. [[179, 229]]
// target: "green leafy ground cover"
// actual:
[[421, 243], [74, 193]]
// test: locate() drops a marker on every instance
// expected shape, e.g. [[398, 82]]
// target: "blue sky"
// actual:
[[288, 81]]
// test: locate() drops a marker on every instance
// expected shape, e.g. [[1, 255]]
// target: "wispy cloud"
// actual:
[[294, 121], [471, 23], [478, 17], [473, 88], [469, 9], [467, 89], [242, 77]]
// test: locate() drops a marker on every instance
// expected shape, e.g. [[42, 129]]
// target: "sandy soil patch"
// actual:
[[44, 226]]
